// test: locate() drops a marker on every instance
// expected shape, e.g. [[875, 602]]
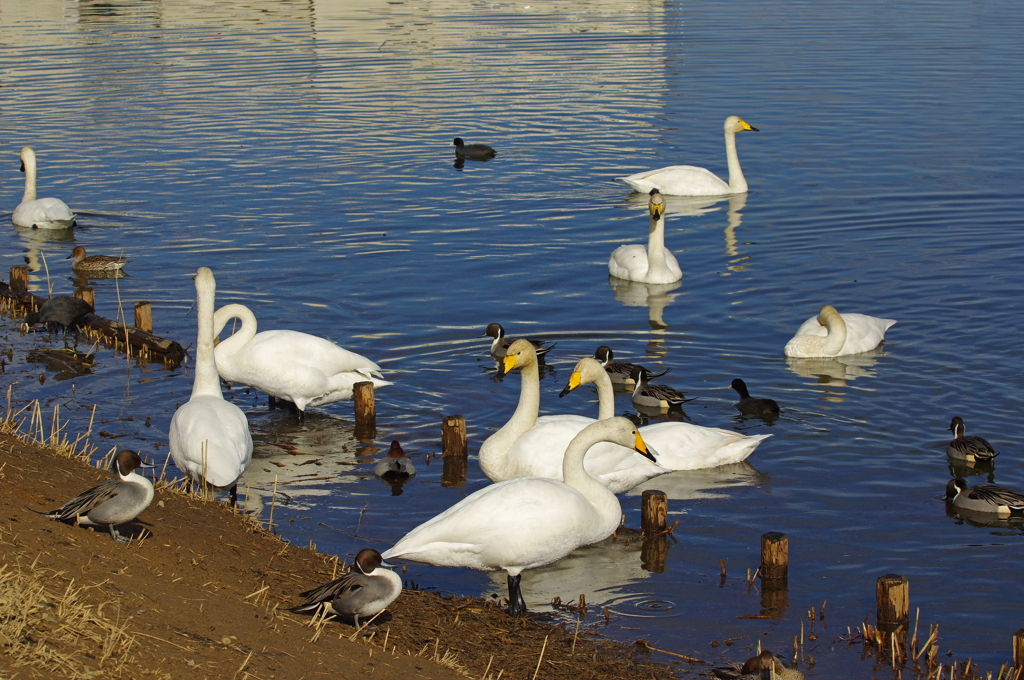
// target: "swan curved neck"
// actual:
[[656, 265], [30, 181], [831, 344], [492, 455], [605, 396], [207, 380], [239, 338], [737, 182], [576, 476]]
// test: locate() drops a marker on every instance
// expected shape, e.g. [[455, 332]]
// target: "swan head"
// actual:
[[28, 158], [587, 370], [519, 354], [656, 206], [828, 315], [627, 433], [734, 124]]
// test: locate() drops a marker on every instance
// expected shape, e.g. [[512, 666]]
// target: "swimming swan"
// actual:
[[528, 446], [676, 445], [652, 263], [527, 522], [689, 180], [209, 438], [304, 369], [39, 213], [831, 334]]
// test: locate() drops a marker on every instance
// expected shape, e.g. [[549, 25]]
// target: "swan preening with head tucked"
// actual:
[[527, 522], [675, 445], [652, 263], [528, 446], [831, 334], [39, 213], [690, 180], [305, 369], [209, 437]]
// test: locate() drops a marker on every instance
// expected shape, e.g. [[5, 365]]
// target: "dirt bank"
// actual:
[[204, 593]]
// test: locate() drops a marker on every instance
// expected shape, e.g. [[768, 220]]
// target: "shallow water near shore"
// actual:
[[303, 152]]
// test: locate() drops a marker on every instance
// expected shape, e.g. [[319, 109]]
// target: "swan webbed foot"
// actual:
[[516, 603]]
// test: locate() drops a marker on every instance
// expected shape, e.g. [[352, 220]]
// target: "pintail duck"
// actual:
[[620, 372], [499, 346], [751, 405], [654, 396], [364, 592], [39, 213], [971, 449], [764, 665], [987, 498], [526, 522], [94, 263], [115, 501]]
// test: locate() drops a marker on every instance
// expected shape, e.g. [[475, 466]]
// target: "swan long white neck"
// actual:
[[492, 455], [591, 371], [207, 380], [231, 345], [737, 182], [576, 476], [28, 160], [657, 268], [828, 345]]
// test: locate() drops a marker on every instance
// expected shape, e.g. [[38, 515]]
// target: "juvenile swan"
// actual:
[[689, 180], [831, 334], [209, 438], [652, 263], [39, 213], [528, 522]]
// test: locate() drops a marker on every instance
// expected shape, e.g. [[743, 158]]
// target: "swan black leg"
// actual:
[[516, 603], [233, 494]]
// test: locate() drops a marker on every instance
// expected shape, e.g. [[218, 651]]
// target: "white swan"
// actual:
[[652, 263], [831, 334], [209, 438], [528, 446], [689, 180], [304, 369], [527, 522], [39, 213], [675, 445]]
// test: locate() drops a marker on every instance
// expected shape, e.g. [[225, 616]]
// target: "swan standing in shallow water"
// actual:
[[528, 446], [831, 334], [527, 522], [690, 180], [209, 438], [675, 445], [39, 213], [304, 369], [652, 263]]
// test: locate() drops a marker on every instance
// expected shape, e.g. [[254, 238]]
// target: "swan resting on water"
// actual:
[[652, 263], [831, 334], [39, 213]]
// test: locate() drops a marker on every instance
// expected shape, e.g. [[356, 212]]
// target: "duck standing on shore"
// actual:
[[365, 591]]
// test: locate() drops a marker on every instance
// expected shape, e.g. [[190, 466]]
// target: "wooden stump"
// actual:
[[144, 316], [366, 410], [774, 556], [893, 599], [1018, 649], [455, 452], [19, 278], [653, 512], [86, 294]]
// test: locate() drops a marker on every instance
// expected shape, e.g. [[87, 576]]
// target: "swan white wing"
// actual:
[[44, 213], [630, 262], [514, 525], [678, 180], [224, 429], [863, 332], [684, 446]]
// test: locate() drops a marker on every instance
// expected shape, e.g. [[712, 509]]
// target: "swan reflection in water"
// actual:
[[689, 485], [836, 371], [696, 206], [304, 462]]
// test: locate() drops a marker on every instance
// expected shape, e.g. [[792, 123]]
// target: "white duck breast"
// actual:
[[528, 522], [304, 369], [690, 180], [209, 437], [365, 591], [39, 213], [831, 334], [676, 445], [652, 263], [528, 446]]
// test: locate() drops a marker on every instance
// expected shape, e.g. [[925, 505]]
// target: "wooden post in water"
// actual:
[[653, 512], [86, 294], [455, 451], [366, 410], [19, 277], [144, 316], [1018, 649], [774, 573], [893, 599]]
